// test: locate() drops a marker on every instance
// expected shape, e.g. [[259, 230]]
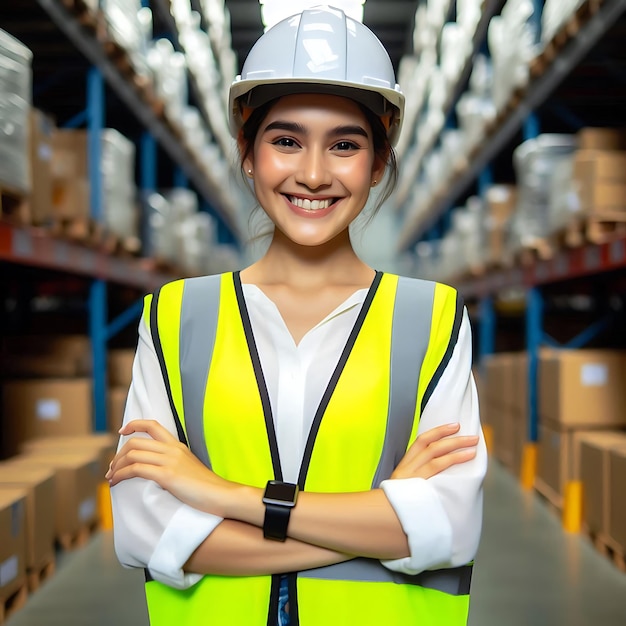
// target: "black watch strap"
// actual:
[[276, 522]]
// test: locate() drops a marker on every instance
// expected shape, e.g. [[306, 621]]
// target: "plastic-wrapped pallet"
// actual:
[[130, 26], [555, 14], [563, 201], [118, 183], [535, 161], [475, 108], [15, 103], [170, 77], [511, 63], [158, 238], [197, 233], [427, 259]]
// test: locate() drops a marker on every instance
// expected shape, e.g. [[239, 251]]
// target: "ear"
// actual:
[[378, 168], [248, 162]]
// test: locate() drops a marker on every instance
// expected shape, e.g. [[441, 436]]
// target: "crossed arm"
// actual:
[[324, 529]]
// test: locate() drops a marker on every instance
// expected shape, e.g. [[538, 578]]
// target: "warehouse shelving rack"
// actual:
[[28, 246], [520, 117], [535, 280]]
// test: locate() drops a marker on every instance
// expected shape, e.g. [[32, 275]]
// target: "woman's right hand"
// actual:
[[435, 451]]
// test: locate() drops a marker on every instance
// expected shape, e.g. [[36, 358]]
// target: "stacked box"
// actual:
[[617, 502], [77, 476], [579, 391], [41, 131], [598, 178], [46, 356], [120, 373], [15, 104], [500, 202], [38, 484], [103, 445], [45, 408], [499, 390], [70, 174], [12, 540], [595, 453]]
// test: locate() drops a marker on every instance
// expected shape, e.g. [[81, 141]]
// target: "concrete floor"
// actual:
[[528, 573]]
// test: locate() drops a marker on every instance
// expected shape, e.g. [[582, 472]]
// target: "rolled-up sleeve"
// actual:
[[442, 516], [152, 528]]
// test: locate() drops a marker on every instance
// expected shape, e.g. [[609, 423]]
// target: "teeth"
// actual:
[[310, 205]]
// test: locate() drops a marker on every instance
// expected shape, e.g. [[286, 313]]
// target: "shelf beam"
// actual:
[[91, 48], [568, 264], [538, 92], [33, 247]]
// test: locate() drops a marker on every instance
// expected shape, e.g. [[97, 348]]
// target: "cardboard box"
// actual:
[[12, 540], [598, 197], [601, 139], [583, 388], [116, 404], [69, 154], [38, 484], [71, 198], [617, 501], [41, 130], [501, 201], [519, 437], [36, 366], [595, 450], [72, 352], [77, 476], [599, 165], [558, 456], [104, 445], [503, 437], [120, 367], [46, 408]]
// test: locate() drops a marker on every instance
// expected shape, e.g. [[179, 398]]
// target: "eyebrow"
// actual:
[[293, 127]]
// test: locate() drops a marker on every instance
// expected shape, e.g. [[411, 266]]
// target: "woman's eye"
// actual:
[[285, 142], [346, 145]]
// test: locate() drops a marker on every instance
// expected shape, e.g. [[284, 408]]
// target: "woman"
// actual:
[[301, 443]]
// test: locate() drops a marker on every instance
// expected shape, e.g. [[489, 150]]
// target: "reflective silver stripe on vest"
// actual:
[[412, 315], [455, 581], [198, 327]]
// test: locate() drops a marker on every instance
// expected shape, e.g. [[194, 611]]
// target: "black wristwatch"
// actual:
[[279, 499]]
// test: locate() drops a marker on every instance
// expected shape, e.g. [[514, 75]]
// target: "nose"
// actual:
[[313, 171]]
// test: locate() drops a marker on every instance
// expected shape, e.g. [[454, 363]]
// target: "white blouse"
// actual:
[[441, 516]]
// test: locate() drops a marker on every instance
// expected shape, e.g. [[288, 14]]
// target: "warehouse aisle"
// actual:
[[528, 573]]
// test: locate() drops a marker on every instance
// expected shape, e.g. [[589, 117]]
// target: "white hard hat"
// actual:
[[320, 50]]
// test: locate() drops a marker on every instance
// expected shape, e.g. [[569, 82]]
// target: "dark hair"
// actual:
[[382, 148]]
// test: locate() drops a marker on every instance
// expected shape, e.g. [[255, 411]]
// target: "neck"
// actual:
[[332, 263]]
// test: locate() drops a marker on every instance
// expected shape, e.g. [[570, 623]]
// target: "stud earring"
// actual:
[[374, 183], [250, 172]]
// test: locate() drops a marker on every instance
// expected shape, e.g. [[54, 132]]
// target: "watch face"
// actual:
[[280, 493]]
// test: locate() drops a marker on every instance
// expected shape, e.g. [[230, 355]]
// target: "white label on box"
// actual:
[[87, 510], [45, 152], [594, 374], [48, 409], [8, 570]]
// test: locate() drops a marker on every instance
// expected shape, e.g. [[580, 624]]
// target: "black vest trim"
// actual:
[[156, 340], [454, 336], [334, 379], [260, 377]]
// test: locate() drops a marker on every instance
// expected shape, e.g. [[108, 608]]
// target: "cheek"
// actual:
[[356, 172], [270, 163]]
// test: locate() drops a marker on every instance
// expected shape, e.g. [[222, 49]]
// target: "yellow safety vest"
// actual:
[[401, 342]]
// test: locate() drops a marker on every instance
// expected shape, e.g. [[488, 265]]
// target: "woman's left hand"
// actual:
[[169, 463]]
